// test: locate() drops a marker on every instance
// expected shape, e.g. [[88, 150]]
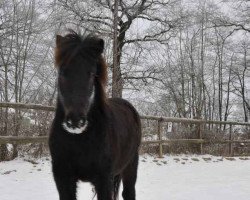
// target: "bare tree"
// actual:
[[21, 43], [96, 16], [239, 20], [241, 73]]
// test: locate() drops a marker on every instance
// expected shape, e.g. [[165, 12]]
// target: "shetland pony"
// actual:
[[93, 138]]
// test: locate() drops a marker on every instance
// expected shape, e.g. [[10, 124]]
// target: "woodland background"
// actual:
[[178, 58]]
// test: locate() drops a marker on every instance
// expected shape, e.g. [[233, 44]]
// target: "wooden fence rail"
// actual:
[[159, 119], [164, 119], [26, 106]]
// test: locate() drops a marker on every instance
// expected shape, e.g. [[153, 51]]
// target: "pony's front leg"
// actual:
[[103, 187], [66, 184], [66, 187]]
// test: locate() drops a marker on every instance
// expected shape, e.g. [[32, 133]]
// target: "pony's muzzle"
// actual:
[[75, 125]]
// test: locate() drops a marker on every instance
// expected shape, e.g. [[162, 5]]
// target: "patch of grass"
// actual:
[[230, 158], [195, 159], [244, 158], [8, 172], [31, 161], [207, 159]]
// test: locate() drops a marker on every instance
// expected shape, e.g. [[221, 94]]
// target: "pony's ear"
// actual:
[[59, 40]]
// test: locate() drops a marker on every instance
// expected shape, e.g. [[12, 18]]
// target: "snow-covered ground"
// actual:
[[172, 178]]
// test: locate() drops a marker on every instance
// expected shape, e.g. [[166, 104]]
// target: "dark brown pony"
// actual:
[[92, 138]]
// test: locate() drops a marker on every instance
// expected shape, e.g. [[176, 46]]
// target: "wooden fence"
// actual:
[[160, 120]]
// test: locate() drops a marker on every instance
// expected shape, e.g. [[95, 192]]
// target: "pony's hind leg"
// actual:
[[129, 176], [116, 186]]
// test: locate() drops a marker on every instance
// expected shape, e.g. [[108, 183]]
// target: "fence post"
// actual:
[[159, 132], [200, 137], [230, 141]]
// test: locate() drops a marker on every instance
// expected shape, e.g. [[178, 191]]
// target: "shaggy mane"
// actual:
[[74, 44]]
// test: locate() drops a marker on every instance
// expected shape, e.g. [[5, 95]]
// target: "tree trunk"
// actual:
[[3, 147], [116, 79]]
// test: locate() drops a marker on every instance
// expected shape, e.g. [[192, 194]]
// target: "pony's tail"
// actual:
[[116, 186]]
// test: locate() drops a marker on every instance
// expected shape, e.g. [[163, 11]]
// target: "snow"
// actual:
[[173, 177]]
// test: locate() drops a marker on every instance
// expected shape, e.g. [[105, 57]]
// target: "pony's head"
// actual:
[[81, 68]]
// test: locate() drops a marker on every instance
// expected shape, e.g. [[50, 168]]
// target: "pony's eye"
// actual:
[[92, 74], [63, 73]]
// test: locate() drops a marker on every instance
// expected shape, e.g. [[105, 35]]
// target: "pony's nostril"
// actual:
[[81, 122], [69, 123]]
